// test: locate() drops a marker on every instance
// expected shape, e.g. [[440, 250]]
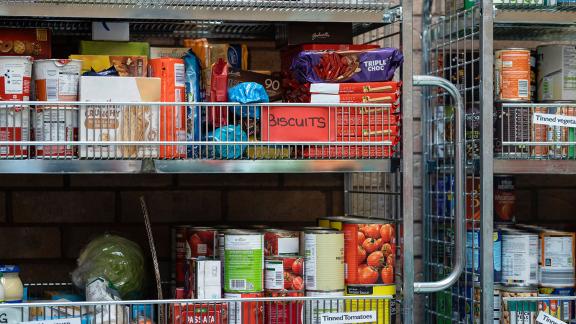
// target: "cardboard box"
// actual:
[[114, 48], [389, 98], [35, 42], [359, 87], [118, 122], [208, 276], [312, 33], [271, 82], [133, 66], [173, 52], [196, 313]]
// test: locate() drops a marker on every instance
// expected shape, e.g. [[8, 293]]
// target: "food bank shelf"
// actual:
[[202, 131], [274, 10], [215, 311]]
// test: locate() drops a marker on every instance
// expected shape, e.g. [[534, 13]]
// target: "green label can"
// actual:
[[244, 261]]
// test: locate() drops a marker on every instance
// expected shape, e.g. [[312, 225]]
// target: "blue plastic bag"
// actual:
[[246, 93], [227, 133]]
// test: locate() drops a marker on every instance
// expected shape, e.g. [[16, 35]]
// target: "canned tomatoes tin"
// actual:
[[518, 312], [324, 251], [369, 251], [284, 273], [245, 312], [202, 241], [504, 198], [519, 258], [557, 259], [385, 308], [244, 261], [315, 308], [180, 233], [284, 312], [278, 242], [561, 309], [192, 313], [512, 74]]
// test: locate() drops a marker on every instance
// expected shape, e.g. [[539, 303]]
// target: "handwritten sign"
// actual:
[[553, 120], [348, 317], [298, 124]]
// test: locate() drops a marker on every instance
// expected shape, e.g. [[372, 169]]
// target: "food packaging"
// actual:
[[217, 116], [556, 69], [389, 98], [229, 133], [173, 52], [248, 93], [35, 42], [133, 66], [172, 118], [356, 88], [205, 279], [119, 123], [114, 48], [326, 33], [270, 81], [347, 66], [193, 83]]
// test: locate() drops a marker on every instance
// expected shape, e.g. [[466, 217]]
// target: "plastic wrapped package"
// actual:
[[193, 94], [247, 93], [223, 134]]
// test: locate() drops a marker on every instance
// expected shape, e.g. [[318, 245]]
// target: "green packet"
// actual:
[[114, 48]]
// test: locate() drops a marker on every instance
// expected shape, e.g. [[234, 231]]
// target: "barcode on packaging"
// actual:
[[274, 274], [238, 284], [523, 88], [179, 78], [52, 89]]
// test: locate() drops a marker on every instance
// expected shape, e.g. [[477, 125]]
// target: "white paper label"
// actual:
[[179, 76], [274, 274], [68, 84], [14, 78], [544, 318], [310, 254], [553, 120], [288, 245], [349, 317], [71, 320]]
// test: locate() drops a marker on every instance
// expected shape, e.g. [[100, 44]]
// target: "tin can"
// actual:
[[324, 251], [539, 134], [504, 198], [244, 262], [385, 308], [518, 312], [15, 78], [369, 251], [283, 273], [512, 74], [315, 308], [519, 260], [561, 309], [284, 312], [557, 253], [278, 242], [557, 134], [172, 117], [245, 312], [473, 254], [511, 124], [180, 233], [55, 124], [334, 222], [556, 68], [202, 242]]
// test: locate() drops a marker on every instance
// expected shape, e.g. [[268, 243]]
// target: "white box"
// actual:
[[119, 122], [208, 285], [111, 31], [556, 72], [174, 52]]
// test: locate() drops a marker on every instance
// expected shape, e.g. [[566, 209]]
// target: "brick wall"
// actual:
[[45, 220]]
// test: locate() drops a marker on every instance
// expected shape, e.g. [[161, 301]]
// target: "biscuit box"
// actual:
[[35, 42]]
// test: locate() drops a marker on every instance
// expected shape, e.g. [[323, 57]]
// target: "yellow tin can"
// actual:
[[385, 307]]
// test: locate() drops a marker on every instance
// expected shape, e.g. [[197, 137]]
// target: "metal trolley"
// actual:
[[380, 162], [458, 42]]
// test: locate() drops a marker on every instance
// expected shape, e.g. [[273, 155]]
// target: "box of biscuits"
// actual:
[[35, 42]]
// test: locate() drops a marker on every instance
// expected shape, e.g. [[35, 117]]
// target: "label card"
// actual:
[[348, 317], [544, 318]]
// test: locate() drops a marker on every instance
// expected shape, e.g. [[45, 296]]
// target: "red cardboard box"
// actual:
[[35, 42], [190, 313], [370, 133], [360, 87], [351, 152], [391, 98]]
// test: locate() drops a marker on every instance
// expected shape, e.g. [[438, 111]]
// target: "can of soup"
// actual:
[[504, 198], [512, 74], [384, 307], [284, 312], [557, 252], [519, 260], [314, 309], [245, 312], [369, 251], [279, 242], [244, 261], [324, 252], [283, 273]]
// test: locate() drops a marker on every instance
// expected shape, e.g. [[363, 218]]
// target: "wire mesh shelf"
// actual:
[[285, 310], [535, 131], [214, 131]]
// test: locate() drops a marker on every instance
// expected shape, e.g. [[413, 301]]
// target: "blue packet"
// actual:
[[223, 134], [246, 93], [193, 73]]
